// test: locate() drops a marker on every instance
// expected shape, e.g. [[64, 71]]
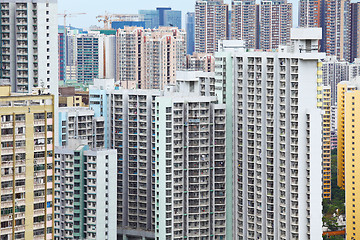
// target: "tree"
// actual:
[[331, 223]]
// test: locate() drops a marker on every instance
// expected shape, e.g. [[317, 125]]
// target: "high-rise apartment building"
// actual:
[[348, 140], [354, 31], [131, 119], [70, 54], [326, 141], [310, 13], [149, 59], [336, 30], [27, 145], [345, 88], [190, 165], [275, 24], [132, 134], [89, 49], [245, 22], [62, 58], [211, 25], [265, 26], [29, 45], [190, 32], [277, 137], [85, 192], [71, 47], [99, 94], [333, 72], [95, 56], [80, 123], [339, 22]]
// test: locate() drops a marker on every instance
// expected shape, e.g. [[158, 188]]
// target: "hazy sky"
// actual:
[[94, 8]]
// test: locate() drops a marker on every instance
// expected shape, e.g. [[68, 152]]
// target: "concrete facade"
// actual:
[[190, 165], [277, 172], [27, 177], [85, 196], [211, 24], [153, 63]]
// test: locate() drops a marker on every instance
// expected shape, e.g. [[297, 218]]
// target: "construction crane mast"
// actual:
[[106, 19], [66, 15]]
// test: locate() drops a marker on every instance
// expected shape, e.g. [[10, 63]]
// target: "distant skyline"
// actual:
[[94, 8]]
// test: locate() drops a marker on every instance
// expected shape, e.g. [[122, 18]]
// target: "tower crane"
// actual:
[[106, 19], [66, 15]]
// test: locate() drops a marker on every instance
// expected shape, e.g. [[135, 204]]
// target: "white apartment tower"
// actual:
[[29, 50], [80, 123], [85, 193], [190, 165], [132, 134], [133, 125], [277, 137], [333, 72]]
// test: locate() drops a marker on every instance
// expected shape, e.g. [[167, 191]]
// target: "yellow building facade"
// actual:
[[352, 164], [27, 177], [324, 103], [71, 101], [342, 89], [349, 153], [326, 143]]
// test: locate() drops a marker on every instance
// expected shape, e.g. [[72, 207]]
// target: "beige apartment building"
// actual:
[[149, 58], [27, 177]]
